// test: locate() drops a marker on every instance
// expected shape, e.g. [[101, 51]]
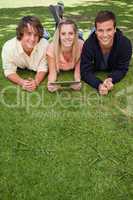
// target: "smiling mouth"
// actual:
[[31, 44], [105, 40], [67, 42]]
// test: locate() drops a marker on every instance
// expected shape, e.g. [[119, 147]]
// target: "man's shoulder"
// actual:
[[121, 38], [91, 40], [43, 42], [11, 42], [123, 43], [80, 43]]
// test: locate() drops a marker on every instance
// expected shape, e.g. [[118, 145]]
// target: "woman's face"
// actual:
[[67, 35]]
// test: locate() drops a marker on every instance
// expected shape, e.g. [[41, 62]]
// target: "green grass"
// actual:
[[68, 145], [30, 3]]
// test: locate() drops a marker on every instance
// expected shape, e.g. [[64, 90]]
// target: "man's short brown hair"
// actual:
[[31, 20], [104, 16]]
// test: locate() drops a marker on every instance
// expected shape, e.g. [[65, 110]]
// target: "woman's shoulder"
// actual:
[[50, 49], [80, 42], [51, 45]]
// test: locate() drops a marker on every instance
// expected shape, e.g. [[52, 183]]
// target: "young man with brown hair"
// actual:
[[26, 51], [106, 49]]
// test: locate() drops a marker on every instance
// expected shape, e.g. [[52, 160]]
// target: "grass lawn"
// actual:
[[31, 3], [68, 145]]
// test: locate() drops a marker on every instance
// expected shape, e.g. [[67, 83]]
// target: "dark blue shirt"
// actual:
[[117, 62]]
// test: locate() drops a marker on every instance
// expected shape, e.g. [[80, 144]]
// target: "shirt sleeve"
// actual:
[[87, 65], [125, 53], [7, 60], [43, 65]]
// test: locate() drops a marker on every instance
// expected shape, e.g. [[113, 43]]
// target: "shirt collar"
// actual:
[[19, 47], [21, 50]]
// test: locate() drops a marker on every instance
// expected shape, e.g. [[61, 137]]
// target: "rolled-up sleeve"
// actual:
[[43, 66]]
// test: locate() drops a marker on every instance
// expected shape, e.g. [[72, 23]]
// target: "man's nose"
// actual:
[[33, 37], [105, 33]]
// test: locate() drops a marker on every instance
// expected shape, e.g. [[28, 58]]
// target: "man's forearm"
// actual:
[[15, 78], [117, 75], [90, 78], [39, 77]]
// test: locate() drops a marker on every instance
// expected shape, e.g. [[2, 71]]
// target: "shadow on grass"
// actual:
[[84, 16], [66, 145]]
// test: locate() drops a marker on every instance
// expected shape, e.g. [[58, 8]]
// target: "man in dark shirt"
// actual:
[[106, 49]]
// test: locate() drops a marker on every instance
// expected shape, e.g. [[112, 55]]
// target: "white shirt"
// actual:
[[13, 56]]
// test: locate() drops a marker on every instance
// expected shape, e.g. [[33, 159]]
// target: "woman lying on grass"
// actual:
[[64, 54]]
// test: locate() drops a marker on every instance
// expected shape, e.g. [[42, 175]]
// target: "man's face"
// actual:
[[105, 33], [30, 39]]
